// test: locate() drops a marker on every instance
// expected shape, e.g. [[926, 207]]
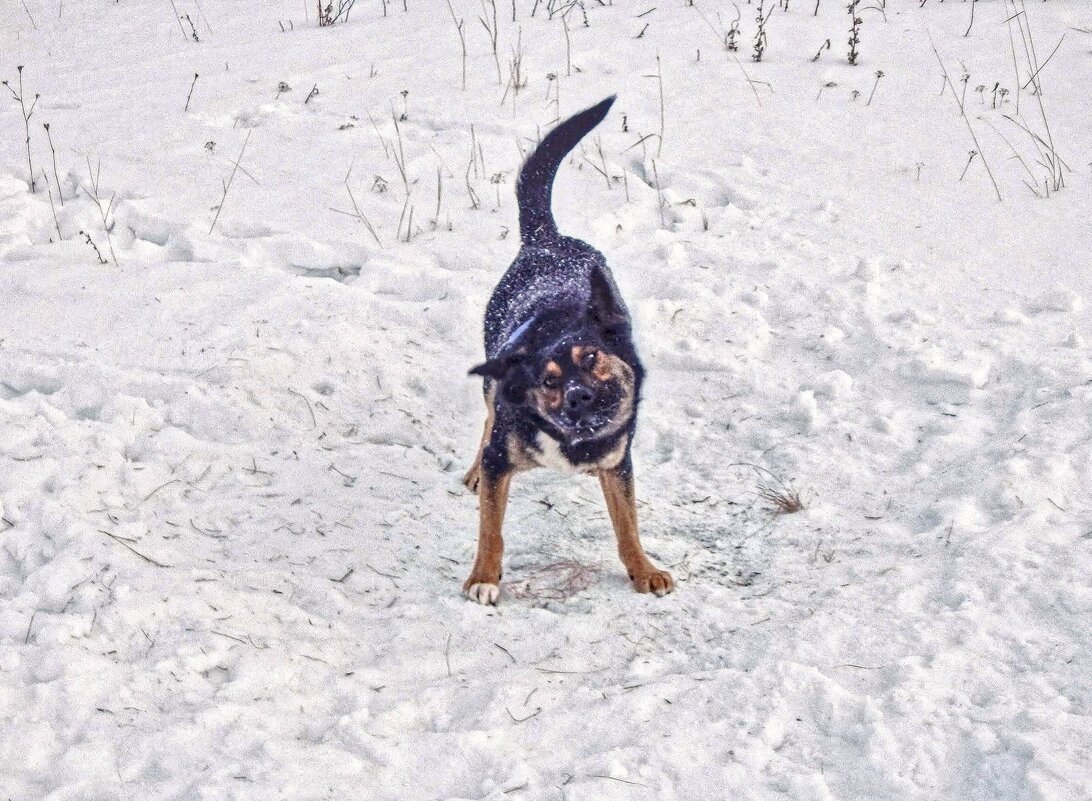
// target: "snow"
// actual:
[[234, 532]]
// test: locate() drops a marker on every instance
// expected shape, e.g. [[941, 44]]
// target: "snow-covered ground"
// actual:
[[233, 530]]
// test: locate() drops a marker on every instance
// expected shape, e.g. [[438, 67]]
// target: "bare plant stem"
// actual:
[[475, 203], [54, 210], [971, 24], [56, 176], [1015, 66], [19, 97], [231, 178], [659, 193], [91, 242], [854, 32], [492, 31], [32, 23], [659, 76], [439, 193], [603, 159], [568, 47], [879, 74], [103, 213], [181, 27], [187, 108], [382, 141], [400, 155], [359, 214], [970, 158], [462, 38], [963, 114], [401, 219], [1049, 158]]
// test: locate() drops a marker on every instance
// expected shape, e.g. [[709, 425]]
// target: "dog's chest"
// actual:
[[547, 453]]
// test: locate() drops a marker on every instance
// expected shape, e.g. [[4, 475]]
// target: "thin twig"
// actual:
[[181, 27], [104, 213], [231, 178], [124, 544], [314, 422], [963, 114], [187, 108]]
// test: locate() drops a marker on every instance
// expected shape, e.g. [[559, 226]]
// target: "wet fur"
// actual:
[[556, 304]]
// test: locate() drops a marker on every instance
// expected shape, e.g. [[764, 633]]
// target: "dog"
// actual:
[[562, 380]]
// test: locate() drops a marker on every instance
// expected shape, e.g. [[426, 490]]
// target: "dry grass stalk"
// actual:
[[104, 213], [27, 114], [785, 500], [226, 186], [462, 38]]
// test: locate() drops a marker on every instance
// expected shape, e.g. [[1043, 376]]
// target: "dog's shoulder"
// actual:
[[545, 276]]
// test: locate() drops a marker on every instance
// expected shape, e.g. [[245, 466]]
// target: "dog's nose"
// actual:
[[577, 398]]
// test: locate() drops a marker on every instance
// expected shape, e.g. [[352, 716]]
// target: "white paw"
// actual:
[[485, 594]]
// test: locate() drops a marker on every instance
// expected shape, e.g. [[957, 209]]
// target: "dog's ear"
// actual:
[[510, 354], [511, 372], [494, 368], [604, 307]]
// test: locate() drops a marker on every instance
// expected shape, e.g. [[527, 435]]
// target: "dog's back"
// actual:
[[551, 270]]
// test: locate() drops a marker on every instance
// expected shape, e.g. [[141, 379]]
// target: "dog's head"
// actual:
[[574, 369]]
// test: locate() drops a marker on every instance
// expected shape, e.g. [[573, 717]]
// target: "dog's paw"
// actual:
[[472, 478], [484, 593], [658, 582]]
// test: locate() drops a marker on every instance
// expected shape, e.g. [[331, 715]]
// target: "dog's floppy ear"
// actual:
[[511, 372], [509, 366], [604, 307], [511, 352], [494, 368]]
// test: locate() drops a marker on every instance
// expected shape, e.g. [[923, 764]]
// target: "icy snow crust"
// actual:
[[233, 527]]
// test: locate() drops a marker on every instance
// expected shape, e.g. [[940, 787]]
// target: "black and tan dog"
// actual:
[[562, 378]]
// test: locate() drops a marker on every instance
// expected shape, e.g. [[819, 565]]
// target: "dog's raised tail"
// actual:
[[536, 179]]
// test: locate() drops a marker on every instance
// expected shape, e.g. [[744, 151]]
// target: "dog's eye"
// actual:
[[551, 382], [587, 361]]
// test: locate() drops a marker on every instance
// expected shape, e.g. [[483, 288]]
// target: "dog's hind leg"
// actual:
[[618, 490], [483, 585], [473, 476]]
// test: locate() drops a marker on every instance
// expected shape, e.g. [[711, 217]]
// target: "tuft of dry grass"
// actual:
[[783, 497], [784, 500]]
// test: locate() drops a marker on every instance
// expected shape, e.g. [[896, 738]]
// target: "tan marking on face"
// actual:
[[606, 366], [549, 400], [598, 371]]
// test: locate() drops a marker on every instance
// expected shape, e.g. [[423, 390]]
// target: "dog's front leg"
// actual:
[[617, 484], [483, 585], [474, 474]]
